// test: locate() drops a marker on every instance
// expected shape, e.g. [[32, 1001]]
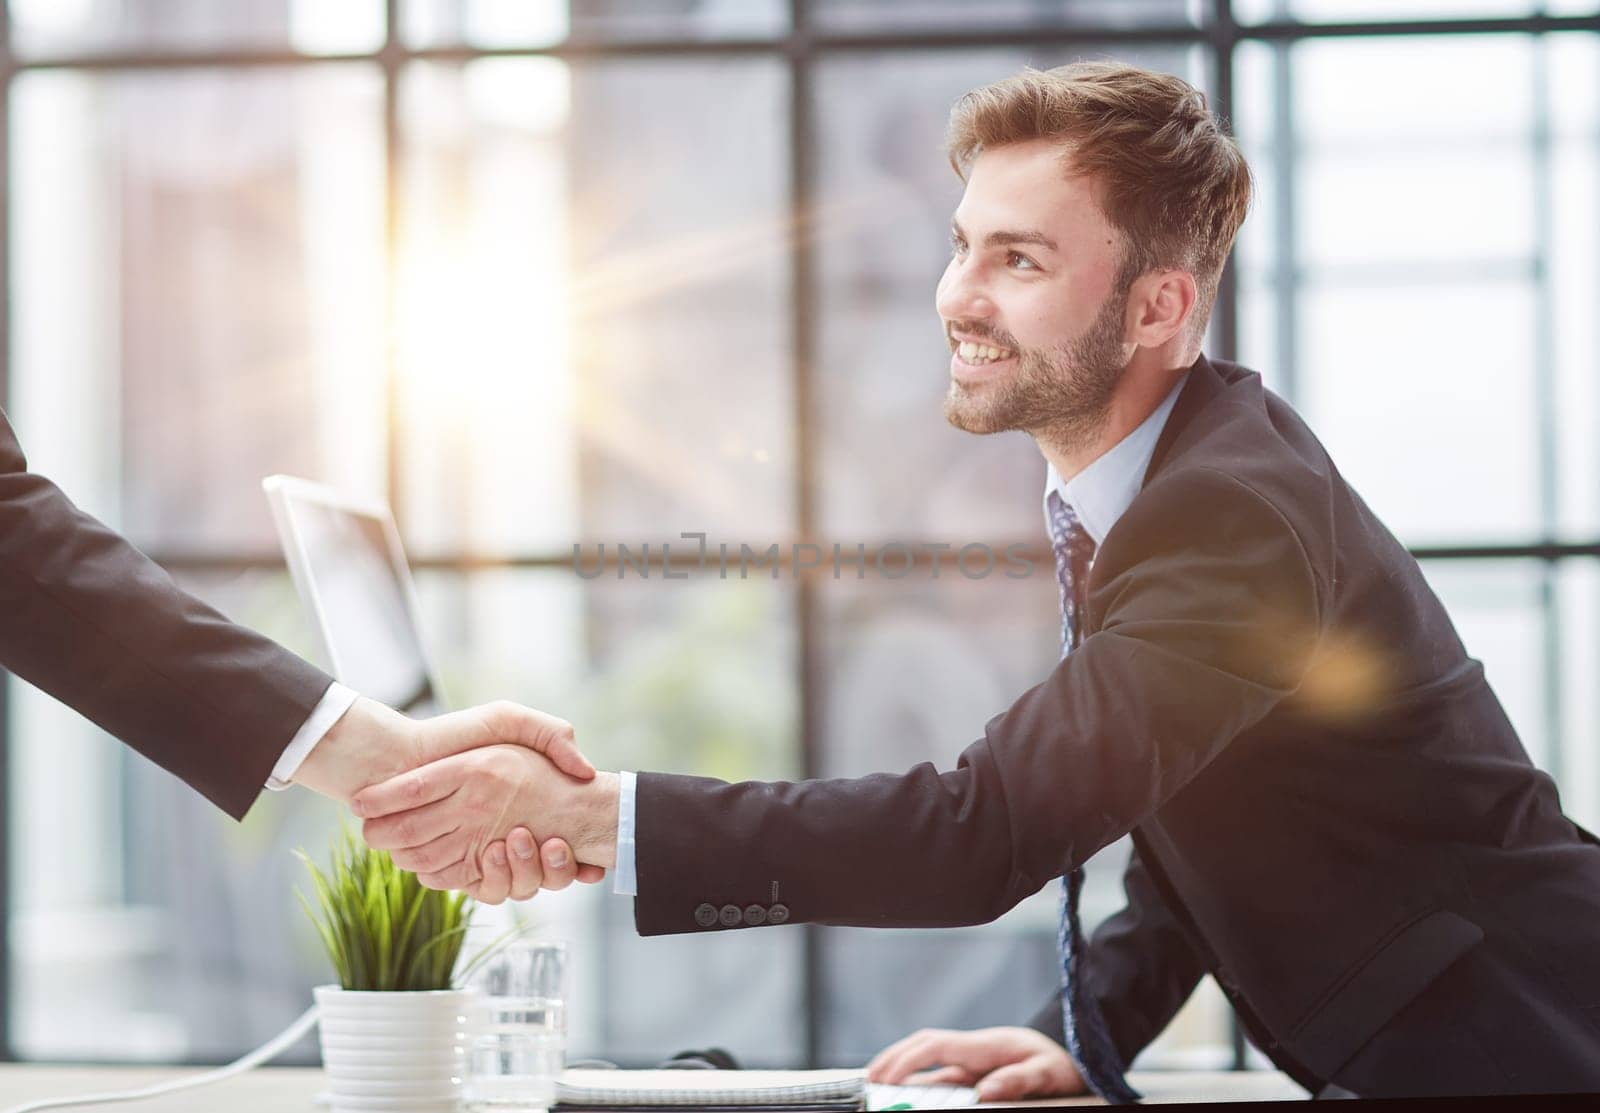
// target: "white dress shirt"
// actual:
[[1102, 492], [1099, 495], [329, 710]]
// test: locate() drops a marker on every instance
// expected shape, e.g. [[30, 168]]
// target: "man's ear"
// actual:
[[1160, 305]]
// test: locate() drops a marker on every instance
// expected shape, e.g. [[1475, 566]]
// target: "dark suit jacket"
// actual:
[[1328, 805], [87, 618]]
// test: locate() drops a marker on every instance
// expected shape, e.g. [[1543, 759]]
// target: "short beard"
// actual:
[[1061, 397]]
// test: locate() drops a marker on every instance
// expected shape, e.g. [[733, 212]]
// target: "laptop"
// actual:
[[350, 571]]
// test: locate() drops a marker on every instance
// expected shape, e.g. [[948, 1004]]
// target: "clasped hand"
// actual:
[[474, 819]]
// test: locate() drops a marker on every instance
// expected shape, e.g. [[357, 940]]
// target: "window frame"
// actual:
[[801, 46]]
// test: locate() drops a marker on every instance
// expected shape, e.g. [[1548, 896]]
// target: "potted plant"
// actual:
[[394, 1030]]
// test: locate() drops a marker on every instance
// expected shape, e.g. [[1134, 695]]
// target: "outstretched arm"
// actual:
[[98, 625]]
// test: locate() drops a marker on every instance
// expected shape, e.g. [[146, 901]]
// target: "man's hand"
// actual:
[[1005, 1064], [517, 868], [440, 819], [372, 743]]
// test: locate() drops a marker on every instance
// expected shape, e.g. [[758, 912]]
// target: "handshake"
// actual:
[[495, 800], [498, 802]]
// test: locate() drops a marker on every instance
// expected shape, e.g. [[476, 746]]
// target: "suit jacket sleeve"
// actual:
[[90, 620], [1140, 967], [1203, 612]]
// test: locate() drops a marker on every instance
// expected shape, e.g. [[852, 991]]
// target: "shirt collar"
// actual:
[[1101, 492]]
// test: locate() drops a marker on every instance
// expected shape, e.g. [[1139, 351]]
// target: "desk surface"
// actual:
[[291, 1089]]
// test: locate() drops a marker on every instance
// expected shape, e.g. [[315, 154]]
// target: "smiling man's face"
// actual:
[[1030, 302]]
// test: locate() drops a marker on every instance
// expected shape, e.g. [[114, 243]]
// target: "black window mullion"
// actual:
[[1286, 253], [1545, 387], [802, 186], [1223, 39]]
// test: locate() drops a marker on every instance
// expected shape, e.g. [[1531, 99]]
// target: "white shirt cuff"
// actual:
[[624, 881], [335, 702]]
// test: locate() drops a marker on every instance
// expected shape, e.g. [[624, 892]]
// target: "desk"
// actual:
[[290, 1089]]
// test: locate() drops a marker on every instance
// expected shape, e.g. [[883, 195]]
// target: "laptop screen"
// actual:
[[356, 584]]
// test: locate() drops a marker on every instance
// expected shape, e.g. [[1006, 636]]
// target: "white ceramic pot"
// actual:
[[394, 1051]]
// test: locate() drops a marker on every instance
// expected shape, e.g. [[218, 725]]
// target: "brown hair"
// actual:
[[1167, 176]]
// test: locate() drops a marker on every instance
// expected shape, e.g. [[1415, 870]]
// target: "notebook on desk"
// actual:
[[594, 1090]]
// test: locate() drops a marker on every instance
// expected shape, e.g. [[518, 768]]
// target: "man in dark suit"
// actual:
[[1329, 810], [89, 619]]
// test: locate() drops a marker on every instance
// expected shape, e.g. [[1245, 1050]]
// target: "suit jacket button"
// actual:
[[706, 915], [778, 914], [731, 916], [754, 915]]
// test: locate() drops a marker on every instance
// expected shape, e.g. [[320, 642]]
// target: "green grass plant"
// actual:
[[382, 929]]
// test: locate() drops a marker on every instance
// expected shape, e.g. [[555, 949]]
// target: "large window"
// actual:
[[546, 274]]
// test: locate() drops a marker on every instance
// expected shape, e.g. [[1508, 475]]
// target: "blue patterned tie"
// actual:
[[1082, 1024]]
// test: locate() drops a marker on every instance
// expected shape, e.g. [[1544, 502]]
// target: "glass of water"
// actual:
[[519, 1036]]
